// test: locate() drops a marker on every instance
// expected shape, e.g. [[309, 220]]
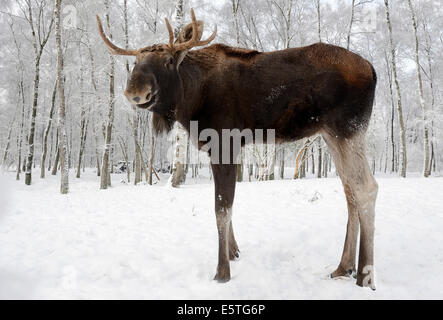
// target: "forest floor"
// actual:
[[155, 242]]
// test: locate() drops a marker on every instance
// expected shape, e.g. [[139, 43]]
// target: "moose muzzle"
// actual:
[[139, 98]]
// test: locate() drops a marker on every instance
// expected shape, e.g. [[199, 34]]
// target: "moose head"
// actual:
[[155, 83]]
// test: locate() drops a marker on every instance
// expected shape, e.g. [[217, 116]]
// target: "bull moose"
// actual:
[[322, 89]]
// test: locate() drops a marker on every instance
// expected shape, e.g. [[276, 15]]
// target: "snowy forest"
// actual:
[[95, 204], [99, 129]]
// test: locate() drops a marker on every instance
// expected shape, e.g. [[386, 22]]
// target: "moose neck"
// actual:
[[193, 73]]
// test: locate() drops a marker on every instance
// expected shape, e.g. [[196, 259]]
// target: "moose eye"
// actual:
[[170, 62]]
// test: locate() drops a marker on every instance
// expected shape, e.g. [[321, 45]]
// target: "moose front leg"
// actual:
[[224, 180], [234, 252]]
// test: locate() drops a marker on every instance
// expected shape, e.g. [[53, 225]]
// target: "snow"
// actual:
[[156, 242]]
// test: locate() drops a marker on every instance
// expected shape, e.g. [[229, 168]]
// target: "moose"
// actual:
[[322, 89]]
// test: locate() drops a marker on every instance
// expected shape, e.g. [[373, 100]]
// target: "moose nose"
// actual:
[[137, 97]]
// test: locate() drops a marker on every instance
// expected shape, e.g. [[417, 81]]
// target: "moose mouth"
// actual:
[[152, 99]]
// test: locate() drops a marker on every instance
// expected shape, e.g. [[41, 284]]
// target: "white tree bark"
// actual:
[[63, 143], [178, 168], [134, 123], [40, 39], [8, 143], [428, 50], [403, 156], [426, 164], [105, 180], [235, 6], [351, 22], [46, 132], [317, 6]]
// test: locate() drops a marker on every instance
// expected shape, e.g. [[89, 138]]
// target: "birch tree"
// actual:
[[178, 169], [351, 22], [318, 9], [430, 76], [426, 164], [84, 119], [105, 180], [235, 6], [284, 9], [8, 141], [46, 132], [134, 123], [21, 129], [40, 32], [403, 156], [63, 143]]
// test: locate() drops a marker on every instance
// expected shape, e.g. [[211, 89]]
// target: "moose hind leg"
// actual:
[[224, 180], [361, 192], [347, 262]]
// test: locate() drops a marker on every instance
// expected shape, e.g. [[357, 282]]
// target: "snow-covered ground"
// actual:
[[155, 242]]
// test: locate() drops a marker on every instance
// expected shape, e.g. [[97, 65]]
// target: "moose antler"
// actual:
[[194, 41], [112, 47]]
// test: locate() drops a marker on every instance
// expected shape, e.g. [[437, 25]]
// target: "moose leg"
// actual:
[[361, 191], [347, 262], [224, 180], [234, 252]]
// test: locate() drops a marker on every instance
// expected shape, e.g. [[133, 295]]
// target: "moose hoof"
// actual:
[[342, 272], [363, 281], [222, 276], [234, 254]]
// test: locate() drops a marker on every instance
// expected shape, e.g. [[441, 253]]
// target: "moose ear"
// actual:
[[184, 36], [186, 33], [179, 56]]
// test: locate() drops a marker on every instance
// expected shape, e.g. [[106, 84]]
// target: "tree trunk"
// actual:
[[136, 115], [317, 5], [272, 151], [40, 38], [20, 142], [124, 150], [392, 129], [178, 172], [240, 166], [8, 143], [403, 156], [281, 170], [30, 157], [178, 169], [63, 147], [426, 164], [151, 157], [83, 127], [46, 133], [428, 50], [325, 164], [57, 155], [97, 156], [319, 160], [105, 172], [351, 22], [235, 5]]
